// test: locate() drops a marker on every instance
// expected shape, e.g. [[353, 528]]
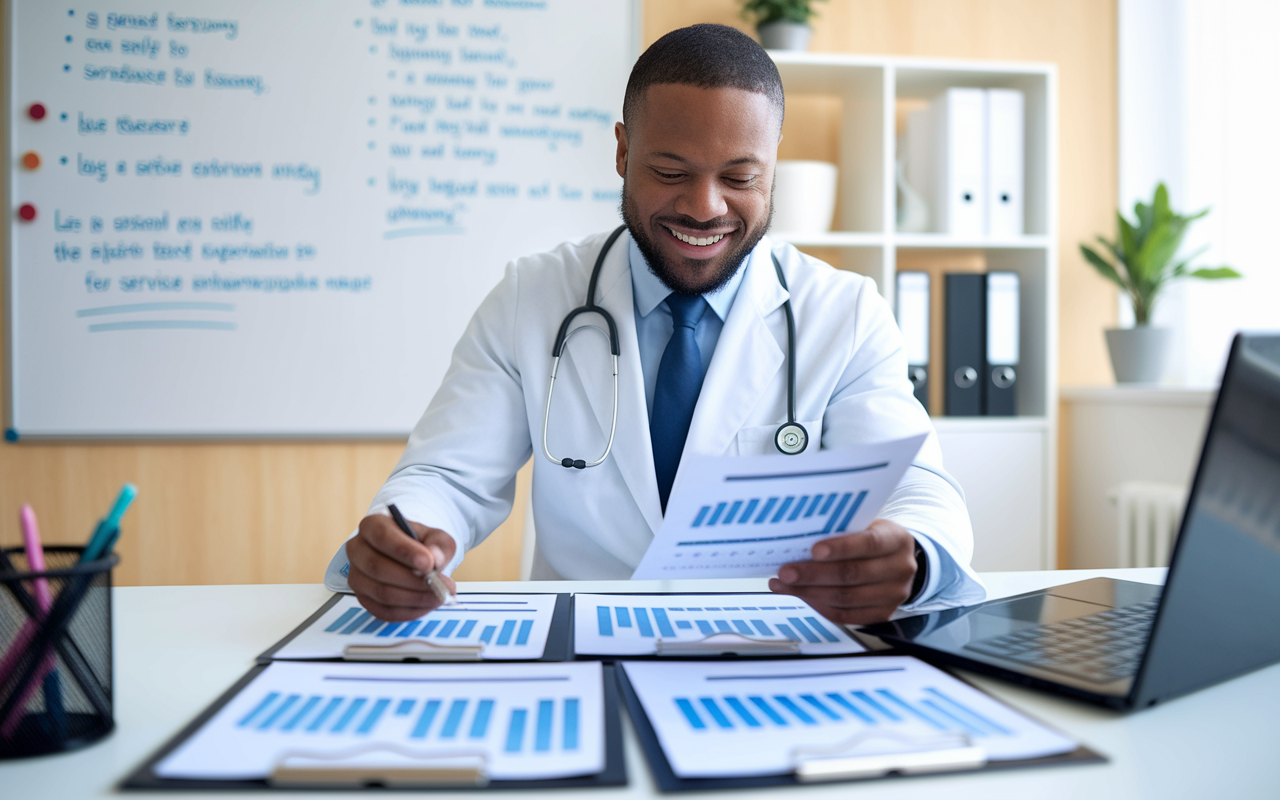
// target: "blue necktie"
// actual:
[[676, 393]]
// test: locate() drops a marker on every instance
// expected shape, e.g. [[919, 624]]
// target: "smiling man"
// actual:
[[702, 348]]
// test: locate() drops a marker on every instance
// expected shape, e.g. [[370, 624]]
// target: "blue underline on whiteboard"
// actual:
[[753, 539], [428, 231], [137, 307], [163, 324]]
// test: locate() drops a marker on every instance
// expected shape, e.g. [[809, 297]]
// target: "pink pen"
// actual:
[[44, 599]]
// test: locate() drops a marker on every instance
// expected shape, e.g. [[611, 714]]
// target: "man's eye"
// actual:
[[668, 175], [740, 181]]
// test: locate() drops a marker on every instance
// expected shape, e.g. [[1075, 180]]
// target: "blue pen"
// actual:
[[108, 530]]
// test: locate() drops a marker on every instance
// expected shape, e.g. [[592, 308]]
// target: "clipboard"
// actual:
[[943, 757], [452, 775], [714, 646], [559, 639]]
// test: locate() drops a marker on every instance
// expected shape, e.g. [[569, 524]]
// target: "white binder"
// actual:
[[913, 319], [1005, 154], [946, 152]]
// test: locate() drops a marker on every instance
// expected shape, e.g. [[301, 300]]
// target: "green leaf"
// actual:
[[1128, 240], [1104, 269], [1214, 273]]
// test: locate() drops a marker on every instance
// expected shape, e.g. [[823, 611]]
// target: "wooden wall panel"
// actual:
[[274, 512]]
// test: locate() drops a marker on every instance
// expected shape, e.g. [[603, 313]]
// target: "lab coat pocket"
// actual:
[[757, 440]]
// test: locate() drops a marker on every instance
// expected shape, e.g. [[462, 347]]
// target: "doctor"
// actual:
[[703, 346]]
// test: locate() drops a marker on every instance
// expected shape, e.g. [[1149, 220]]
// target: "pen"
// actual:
[[108, 530], [447, 597], [44, 599]]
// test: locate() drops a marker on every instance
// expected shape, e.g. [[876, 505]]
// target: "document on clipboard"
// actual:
[[704, 625], [489, 627], [745, 516], [295, 723], [828, 719]]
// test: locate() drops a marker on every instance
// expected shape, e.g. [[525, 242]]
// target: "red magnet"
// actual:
[[36, 111], [31, 159], [27, 212]]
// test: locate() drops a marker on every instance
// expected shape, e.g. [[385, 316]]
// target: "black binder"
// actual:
[[667, 780], [965, 328], [614, 774], [559, 638]]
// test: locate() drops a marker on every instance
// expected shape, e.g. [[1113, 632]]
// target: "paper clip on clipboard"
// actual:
[[728, 644], [906, 756], [412, 650], [384, 765]]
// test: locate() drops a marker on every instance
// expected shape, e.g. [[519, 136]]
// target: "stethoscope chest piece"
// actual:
[[791, 438]]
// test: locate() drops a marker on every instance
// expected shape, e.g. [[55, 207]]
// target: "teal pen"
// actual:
[[108, 530]]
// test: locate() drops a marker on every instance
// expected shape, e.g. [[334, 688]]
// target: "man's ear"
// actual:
[[620, 131]]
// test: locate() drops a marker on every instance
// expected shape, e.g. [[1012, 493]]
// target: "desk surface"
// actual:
[[177, 648]]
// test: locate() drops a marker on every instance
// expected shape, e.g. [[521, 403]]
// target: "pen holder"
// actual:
[[55, 666]]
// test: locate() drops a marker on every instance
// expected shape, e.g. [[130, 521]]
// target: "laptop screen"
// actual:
[[1222, 597]]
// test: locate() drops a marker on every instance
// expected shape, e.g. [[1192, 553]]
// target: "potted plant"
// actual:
[[782, 24], [1142, 263]]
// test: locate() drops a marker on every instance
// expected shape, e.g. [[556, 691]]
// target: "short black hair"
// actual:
[[707, 56]]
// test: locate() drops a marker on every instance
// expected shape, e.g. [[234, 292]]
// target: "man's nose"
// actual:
[[703, 200]]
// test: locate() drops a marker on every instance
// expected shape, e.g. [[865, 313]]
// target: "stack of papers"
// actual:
[[525, 721], [507, 626], [632, 625], [732, 718]]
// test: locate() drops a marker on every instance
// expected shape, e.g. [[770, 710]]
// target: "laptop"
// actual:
[[1131, 645]]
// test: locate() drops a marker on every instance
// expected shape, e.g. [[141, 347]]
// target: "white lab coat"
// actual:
[[458, 469]]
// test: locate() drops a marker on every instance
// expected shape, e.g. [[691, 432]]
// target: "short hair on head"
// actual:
[[707, 56]]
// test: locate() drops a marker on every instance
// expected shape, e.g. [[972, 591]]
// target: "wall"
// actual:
[[274, 512]]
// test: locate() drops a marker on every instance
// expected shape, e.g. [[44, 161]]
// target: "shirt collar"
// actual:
[[650, 291]]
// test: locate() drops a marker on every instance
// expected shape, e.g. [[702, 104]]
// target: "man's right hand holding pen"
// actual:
[[389, 570]]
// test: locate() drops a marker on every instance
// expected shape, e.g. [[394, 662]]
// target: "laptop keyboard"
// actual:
[[1099, 647]]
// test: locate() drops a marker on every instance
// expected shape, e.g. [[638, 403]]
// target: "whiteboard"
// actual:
[[274, 219]]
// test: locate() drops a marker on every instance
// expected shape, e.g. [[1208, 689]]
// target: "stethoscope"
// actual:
[[790, 438]]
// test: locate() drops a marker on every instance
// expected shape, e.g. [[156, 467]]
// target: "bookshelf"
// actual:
[[1007, 465]]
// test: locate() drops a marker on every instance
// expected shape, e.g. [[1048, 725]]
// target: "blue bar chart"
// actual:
[[735, 718], [633, 624], [507, 626], [536, 719]]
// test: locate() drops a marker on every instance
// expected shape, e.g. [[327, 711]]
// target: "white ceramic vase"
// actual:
[[804, 196]]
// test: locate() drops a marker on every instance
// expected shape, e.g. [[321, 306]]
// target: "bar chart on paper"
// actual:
[[632, 624], [743, 517], [508, 626], [527, 720], [745, 718]]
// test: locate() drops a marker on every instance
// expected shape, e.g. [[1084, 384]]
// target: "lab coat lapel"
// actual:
[[632, 449], [746, 360]]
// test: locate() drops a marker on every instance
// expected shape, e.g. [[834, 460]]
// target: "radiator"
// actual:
[[1149, 515]]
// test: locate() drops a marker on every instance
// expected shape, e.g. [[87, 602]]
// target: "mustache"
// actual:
[[690, 222]]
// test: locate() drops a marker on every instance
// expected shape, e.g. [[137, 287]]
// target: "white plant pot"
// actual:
[[784, 35], [1139, 355], [804, 196]]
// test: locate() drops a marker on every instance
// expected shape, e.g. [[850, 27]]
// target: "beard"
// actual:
[[709, 276]]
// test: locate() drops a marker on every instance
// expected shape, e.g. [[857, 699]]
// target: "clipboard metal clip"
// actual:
[[412, 650], [875, 754], [727, 643], [385, 765]]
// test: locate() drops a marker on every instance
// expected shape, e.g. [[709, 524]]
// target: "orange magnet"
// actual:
[[31, 159]]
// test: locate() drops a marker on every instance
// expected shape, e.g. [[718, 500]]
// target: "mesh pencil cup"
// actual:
[[55, 666]]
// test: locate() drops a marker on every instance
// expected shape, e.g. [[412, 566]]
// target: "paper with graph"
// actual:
[[509, 626], [719, 719], [743, 517], [632, 624], [525, 721]]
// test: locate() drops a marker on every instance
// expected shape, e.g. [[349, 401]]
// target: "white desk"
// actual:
[[178, 648]]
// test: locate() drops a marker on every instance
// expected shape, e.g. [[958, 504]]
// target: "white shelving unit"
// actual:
[[1007, 465]]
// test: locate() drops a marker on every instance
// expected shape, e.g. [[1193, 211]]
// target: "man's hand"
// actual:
[[858, 578], [388, 569]]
